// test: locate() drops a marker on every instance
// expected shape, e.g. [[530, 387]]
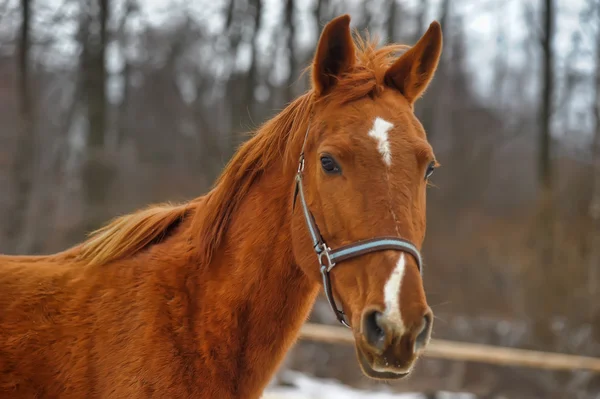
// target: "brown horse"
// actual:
[[202, 300]]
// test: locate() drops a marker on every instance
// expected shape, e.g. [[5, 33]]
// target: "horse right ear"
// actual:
[[412, 72], [335, 54]]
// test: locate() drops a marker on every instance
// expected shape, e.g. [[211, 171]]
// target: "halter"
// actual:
[[329, 258]]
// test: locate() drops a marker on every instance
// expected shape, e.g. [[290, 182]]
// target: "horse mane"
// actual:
[[270, 144], [129, 234], [279, 137]]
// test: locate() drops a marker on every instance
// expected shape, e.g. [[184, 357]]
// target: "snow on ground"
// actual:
[[305, 387]]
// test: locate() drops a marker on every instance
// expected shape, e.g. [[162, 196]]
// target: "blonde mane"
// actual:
[[129, 234], [279, 137]]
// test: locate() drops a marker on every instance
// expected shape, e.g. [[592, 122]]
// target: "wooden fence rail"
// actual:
[[442, 349]]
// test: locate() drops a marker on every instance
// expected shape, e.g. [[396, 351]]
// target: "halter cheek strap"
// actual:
[[329, 258]]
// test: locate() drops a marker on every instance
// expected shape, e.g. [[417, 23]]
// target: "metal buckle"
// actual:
[[324, 253]]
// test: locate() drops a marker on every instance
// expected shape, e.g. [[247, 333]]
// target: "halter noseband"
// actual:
[[328, 258]]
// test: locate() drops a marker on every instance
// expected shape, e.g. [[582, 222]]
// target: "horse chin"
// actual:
[[368, 370]]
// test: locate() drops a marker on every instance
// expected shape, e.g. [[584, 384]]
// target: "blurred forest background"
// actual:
[[108, 105]]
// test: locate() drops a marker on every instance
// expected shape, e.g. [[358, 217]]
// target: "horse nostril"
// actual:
[[374, 329], [425, 331]]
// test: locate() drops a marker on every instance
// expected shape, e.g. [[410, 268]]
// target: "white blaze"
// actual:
[[391, 293], [379, 132]]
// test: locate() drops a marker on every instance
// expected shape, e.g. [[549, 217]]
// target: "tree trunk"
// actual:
[[421, 22], [94, 71], [392, 31], [593, 260], [244, 110], [97, 174], [544, 164], [293, 59], [546, 206], [320, 14], [253, 72], [131, 6], [25, 157], [541, 276], [432, 109]]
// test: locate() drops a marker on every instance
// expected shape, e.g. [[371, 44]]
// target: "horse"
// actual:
[[202, 299]]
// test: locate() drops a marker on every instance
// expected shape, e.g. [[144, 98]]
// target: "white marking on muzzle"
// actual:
[[380, 369], [379, 132], [391, 294]]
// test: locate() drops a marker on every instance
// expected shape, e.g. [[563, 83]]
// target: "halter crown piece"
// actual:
[[329, 258]]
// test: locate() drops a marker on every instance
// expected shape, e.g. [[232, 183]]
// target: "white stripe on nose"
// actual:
[[391, 294]]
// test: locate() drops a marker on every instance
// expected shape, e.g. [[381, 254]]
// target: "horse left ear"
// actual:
[[412, 72], [335, 54]]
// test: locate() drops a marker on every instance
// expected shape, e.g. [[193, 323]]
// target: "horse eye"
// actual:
[[430, 169], [329, 165]]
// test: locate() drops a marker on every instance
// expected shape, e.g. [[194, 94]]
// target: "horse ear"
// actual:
[[413, 70], [335, 54]]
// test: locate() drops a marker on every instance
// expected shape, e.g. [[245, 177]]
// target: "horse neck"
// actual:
[[255, 297]]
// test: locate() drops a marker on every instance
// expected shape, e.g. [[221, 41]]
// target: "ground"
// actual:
[[302, 386]]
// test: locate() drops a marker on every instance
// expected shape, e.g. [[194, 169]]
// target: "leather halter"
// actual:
[[329, 258]]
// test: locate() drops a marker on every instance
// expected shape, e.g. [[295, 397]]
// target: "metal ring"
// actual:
[[325, 253]]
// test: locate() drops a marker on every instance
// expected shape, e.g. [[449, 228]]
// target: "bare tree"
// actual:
[[254, 73], [241, 86], [292, 52], [420, 17], [432, 109], [391, 23], [594, 207], [97, 174], [93, 66], [131, 7], [547, 84], [540, 274], [501, 68], [24, 165], [321, 12], [545, 222]]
